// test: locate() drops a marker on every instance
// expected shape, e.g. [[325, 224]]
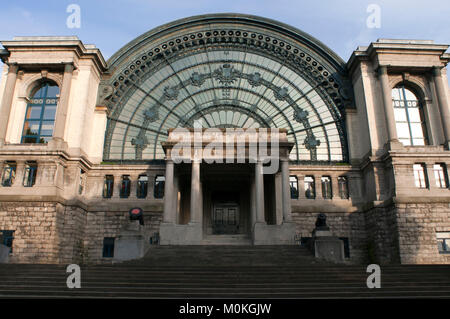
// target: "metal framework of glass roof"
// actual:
[[225, 71]]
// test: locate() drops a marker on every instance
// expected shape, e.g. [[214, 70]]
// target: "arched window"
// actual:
[[40, 114], [409, 117]]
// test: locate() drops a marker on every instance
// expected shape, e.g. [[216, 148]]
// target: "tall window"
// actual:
[[343, 187], [409, 117], [326, 187], [125, 186], [142, 186], [159, 186], [29, 178], [310, 187], [420, 175], [440, 175], [40, 114], [108, 186], [9, 174], [293, 181]]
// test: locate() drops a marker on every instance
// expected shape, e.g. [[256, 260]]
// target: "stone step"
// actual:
[[224, 271]]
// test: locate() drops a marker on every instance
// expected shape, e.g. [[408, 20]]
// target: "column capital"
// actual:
[[382, 70], [69, 67], [436, 71], [13, 67]]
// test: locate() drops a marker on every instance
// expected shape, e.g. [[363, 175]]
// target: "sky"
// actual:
[[339, 24]]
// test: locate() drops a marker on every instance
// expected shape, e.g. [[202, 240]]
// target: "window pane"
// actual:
[[53, 91], [31, 128], [416, 129], [403, 130], [414, 115], [49, 112], [419, 175], [400, 115], [47, 128], [34, 112]]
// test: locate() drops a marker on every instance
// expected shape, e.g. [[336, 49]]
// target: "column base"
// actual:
[[283, 234], [393, 145], [131, 242], [172, 234], [58, 144]]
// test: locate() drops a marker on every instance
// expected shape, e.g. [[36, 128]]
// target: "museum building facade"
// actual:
[[83, 141]]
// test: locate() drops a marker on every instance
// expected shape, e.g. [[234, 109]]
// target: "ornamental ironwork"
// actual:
[[228, 71]]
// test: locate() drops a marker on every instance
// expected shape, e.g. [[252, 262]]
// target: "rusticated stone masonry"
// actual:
[[48, 232]]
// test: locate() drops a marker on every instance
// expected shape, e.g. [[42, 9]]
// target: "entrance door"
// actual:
[[225, 219]]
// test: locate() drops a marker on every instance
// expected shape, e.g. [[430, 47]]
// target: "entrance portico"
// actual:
[[241, 193]]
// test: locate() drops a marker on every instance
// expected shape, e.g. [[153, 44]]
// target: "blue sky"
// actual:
[[340, 24]]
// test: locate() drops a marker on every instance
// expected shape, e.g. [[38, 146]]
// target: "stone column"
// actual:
[[286, 190], [6, 103], [252, 204], [63, 105], [20, 172], [443, 103], [195, 208], [259, 192], [169, 208], [387, 101]]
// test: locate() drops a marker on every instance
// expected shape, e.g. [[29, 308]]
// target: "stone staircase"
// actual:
[[224, 272]]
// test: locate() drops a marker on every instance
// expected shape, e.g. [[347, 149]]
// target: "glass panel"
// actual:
[[34, 112], [294, 186], [326, 187], [53, 91], [416, 129], [310, 191], [403, 130], [419, 175], [159, 187], [400, 115], [31, 128], [47, 128], [49, 112]]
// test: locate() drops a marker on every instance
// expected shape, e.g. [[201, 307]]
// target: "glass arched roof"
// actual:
[[224, 72]]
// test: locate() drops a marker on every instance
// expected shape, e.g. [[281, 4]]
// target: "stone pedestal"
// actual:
[[326, 246], [173, 234], [283, 234], [4, 254], [131, 243]]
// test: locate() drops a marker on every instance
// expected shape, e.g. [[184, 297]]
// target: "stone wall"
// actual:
[[382, 235], [350, 225], [49, 232], [417, 227], [109, 224], [36, 237]]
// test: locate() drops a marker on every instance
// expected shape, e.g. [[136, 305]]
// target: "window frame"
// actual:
[[108, 186], [294, 194], [443, 242], [307, 188], [158, 191], [42, 120], [345, 189], [29, 167], [108, 247], [327, 193], [142, 184], [442, 181], [407, 108], [12, 168], [418, 179], [125, 187]]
